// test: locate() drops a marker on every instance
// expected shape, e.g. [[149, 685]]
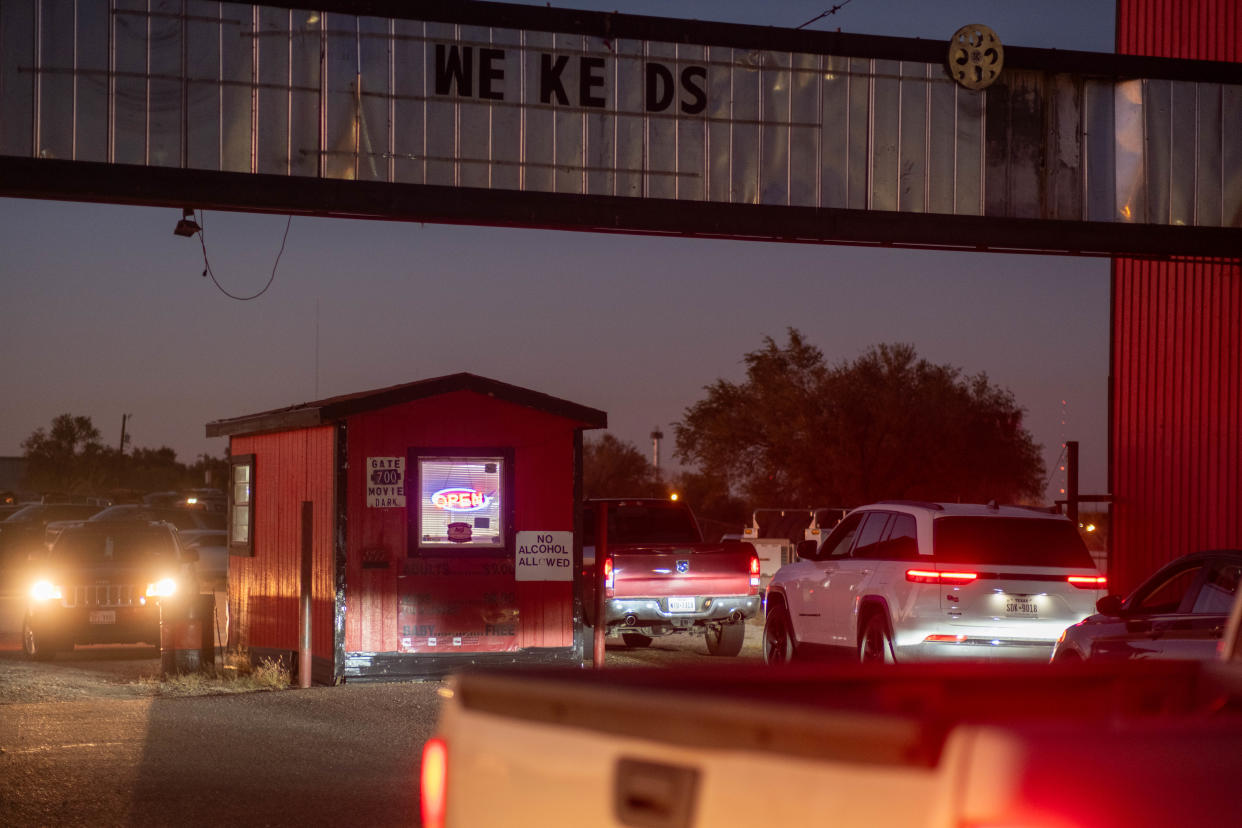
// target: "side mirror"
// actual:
[[807, 548], [1109, 605]]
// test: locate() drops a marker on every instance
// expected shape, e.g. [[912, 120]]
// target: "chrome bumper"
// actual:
[[648, 611]]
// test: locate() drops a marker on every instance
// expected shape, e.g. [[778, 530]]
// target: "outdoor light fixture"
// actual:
[[187, 226]]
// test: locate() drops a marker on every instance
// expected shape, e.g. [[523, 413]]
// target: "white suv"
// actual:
[[906, 581]]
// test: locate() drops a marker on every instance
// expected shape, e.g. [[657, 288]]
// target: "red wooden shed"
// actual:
[[427, 526]]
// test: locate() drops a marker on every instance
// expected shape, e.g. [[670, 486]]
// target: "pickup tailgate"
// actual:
[[607, 756], [706, 569], [903, 746]]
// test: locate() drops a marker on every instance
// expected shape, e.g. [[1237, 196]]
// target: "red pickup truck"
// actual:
[[661, 578]]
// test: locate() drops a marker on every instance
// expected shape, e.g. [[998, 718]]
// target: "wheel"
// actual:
[[35, 644], [778, 640], [875, 645], [636, 640], [1067, 656], [725, 639]]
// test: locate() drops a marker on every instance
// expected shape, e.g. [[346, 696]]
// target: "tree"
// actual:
[[614, 468], [718, 511], [153, 470], [69, 457], [887, 425], [209, 472]]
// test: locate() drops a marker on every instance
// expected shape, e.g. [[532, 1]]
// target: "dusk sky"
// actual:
[[106, 311]]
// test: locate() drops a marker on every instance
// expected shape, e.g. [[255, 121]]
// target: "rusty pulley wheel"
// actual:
[[975, 56]]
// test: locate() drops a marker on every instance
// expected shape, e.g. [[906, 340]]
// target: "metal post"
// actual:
[[304, 640], [601, 552], [1071, 480]]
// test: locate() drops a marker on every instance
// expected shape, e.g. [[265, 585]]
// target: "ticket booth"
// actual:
[[426, 526]]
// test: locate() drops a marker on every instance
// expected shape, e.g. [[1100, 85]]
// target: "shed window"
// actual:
[[241, 505], [462, 502]]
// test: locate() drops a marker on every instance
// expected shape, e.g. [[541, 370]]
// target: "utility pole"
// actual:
[[124, 417], [656, 437]]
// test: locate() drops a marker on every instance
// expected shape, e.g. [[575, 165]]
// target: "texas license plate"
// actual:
[[681, 604], [103, 617], [1020, 606]]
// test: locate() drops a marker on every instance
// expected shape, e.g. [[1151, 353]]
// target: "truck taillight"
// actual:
[[754, 570], [1088, 581], [608, 573], [434, 782], [930, 576]]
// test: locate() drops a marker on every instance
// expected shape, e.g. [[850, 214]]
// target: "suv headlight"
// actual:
[[45, 591], [162, 589]]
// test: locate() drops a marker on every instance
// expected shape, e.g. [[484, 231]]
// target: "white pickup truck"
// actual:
[[1134, 745]]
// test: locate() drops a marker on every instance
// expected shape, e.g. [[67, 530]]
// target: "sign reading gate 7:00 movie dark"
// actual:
[[479, 73]]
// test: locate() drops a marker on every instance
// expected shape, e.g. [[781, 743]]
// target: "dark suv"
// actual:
[[179, 516], [101, 582]]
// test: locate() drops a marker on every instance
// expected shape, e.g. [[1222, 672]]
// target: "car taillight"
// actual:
[[930, 576], [1088, 581], [608, 574], [754, 571], [434, 789]]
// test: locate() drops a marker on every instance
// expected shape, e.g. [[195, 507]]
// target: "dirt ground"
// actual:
[[100, 672]]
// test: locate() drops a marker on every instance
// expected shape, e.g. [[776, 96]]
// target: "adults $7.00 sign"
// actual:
[[544, 556]]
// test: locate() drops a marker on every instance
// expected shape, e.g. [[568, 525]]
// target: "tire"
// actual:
[[636, 641], [35, 644], [1067, 656], [725, 639], [875, 644], [778, 640]]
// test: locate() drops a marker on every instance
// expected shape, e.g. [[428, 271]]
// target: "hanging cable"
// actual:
[[826, 13], [207, 271]]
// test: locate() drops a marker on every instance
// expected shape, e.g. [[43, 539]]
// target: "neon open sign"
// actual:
[[460, 499]]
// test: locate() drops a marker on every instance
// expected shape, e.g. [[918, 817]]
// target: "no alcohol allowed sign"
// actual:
[[544, 556]]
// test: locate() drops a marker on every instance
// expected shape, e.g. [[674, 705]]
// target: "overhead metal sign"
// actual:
[[499, 114]]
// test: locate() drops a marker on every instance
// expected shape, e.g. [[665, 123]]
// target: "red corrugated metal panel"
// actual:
[[1177, 352], [543, 500], [1177, 420], [290, 467], [1193, 29]]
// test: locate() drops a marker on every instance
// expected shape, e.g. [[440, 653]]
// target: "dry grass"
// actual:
[[237, 676]]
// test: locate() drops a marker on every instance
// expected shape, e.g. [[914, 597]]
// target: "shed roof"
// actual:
[[334, 409]]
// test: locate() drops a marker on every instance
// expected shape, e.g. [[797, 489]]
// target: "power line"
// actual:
[[826, 13], [207, 271]]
